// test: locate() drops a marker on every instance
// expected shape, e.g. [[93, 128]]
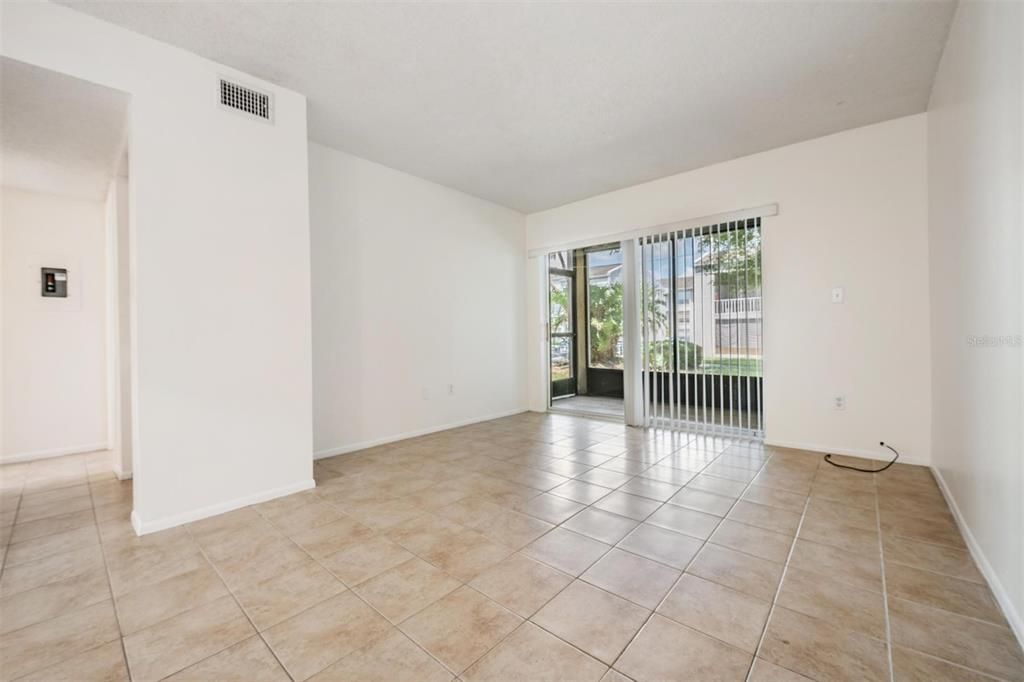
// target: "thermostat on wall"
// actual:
[[55, 282]]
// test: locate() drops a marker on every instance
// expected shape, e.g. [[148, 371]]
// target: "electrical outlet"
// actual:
[[839, 402]]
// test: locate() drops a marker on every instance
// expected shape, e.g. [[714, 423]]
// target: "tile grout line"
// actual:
[[704, 544], [348, 587], [573, 579], [355, 593], [932, 571], [954, 664], [106, 570], [5, 564], [49, 534], [963, 616], [885, 590], [14, 522], [234, 598], [529, 619], [110, 583], [932, 543], [778, 589]]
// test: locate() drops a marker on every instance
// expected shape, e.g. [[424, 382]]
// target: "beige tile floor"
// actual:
[[536, 547]]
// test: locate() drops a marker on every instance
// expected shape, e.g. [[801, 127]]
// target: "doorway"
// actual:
[[65, 291], [585, 307]]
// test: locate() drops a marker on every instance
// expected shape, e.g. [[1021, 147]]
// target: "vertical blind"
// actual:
[[701, 328]]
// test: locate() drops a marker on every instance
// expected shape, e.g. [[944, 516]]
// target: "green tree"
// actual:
[[656, 302], [559, 304], [735, 257], [605, 324]]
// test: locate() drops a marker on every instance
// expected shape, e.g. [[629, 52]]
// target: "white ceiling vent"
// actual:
[[246, 100]]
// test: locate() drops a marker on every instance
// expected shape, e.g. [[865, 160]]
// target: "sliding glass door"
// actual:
[[664, 327], [701, 325]]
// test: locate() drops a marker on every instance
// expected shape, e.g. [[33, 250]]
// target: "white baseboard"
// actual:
[[55, 452], [344, 449], [122, 472], [144, 527], [879, 454], [998, 591]]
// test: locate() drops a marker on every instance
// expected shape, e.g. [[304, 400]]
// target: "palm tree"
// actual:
[[605, 324]]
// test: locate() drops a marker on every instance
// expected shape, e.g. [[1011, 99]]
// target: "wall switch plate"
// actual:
[[451, 389], [838, 295], [839, 402], [54, 282]]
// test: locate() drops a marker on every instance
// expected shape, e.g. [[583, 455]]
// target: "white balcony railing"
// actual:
[[738, 307]]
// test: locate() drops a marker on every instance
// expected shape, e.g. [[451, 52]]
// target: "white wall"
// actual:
[[54, 352], [975, 222], [853, 210], [220, 269], [119, 346], [415, 287]]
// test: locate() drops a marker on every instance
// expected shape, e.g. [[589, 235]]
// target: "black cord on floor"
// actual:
[[828, 458]]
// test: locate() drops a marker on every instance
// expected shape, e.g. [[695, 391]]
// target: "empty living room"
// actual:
[[526, 341]]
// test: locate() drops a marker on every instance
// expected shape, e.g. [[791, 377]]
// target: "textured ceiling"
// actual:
[[58, 134], [533, 105]]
